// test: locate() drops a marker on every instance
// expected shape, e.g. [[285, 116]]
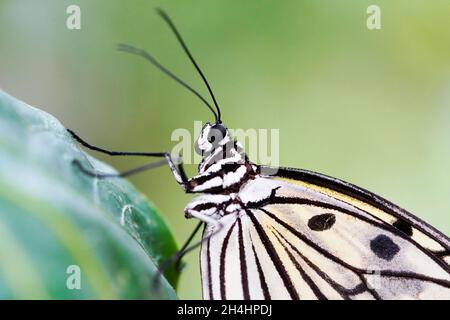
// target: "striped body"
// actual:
[[301, 235], [278, 233]]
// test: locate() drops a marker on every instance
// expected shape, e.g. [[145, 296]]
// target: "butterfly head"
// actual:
[[211, 137]]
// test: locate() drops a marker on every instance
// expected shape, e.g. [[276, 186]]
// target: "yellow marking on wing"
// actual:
[[417, 236]]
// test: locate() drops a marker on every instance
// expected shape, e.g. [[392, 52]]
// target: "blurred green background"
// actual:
[[369, 107]]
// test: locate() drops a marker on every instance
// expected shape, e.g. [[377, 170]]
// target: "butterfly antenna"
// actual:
[[167, 19], [147, 56]]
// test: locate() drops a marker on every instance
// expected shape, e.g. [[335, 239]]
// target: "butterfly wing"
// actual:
[[317, 237]]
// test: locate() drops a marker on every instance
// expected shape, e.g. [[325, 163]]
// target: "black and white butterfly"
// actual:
[[282, 233]]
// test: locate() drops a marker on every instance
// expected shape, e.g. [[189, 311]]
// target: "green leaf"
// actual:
[[53, 217]]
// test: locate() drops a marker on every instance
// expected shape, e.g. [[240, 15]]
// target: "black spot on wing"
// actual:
[[403, 226], [322, 222], [384, 247], [323, 252]]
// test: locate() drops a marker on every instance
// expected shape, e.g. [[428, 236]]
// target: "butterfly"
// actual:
[[283, 233]]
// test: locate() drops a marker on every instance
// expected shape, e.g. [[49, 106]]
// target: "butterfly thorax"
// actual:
[[223, 170], [222, 174]]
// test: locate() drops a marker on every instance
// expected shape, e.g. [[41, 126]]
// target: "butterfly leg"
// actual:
[[176, 166], [186, 248], [206, 218], [195, 211], [176, 258], [102, 175]]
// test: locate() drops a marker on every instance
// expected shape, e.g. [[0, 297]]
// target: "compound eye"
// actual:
[[216, 133]]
